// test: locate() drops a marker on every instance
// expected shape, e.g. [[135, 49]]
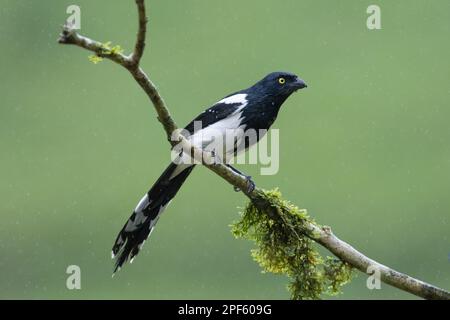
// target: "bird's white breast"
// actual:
[[216, 135]]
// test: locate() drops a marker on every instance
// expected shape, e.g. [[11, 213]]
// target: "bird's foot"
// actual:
[[215, 159], [250, 185]]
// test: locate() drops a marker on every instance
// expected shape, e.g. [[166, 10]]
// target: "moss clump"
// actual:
[[95, 59], [279, 232], [105, 50]]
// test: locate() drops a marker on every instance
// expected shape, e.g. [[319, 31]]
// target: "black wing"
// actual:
[[217, 112]]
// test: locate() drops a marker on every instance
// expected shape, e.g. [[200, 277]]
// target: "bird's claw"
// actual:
[[215, 158], [251, 185]]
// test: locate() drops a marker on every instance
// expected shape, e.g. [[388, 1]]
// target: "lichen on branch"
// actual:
[[284, 247]]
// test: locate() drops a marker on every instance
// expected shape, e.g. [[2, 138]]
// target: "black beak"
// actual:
[[299, 84]]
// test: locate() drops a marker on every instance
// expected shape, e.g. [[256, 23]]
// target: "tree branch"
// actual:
[[347, 253], [70, 36], [140, 42], [321, 235]]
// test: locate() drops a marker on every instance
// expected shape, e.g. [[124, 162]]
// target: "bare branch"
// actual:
[[323, 236], [140, 41], [347, 253]]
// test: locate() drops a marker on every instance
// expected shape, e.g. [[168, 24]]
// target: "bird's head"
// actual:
[[280, 84]]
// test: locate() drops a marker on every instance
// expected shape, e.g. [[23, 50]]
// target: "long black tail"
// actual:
[[141, 223]]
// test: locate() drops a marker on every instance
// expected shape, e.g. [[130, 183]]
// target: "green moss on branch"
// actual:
[[283, 247]]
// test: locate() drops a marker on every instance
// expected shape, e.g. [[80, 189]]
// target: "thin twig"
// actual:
[[140, 41], [323, 236]]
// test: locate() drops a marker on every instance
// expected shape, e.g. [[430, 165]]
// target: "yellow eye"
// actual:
[[281, 80]]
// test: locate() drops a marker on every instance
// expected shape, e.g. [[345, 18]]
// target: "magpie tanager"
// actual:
[[252, 109]]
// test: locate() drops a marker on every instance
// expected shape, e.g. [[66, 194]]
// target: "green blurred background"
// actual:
[[366, 148]]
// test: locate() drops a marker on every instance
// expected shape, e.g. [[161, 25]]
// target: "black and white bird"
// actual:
[[252, 109]]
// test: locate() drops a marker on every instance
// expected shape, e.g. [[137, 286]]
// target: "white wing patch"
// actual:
[[217, 135], [237, 98]]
